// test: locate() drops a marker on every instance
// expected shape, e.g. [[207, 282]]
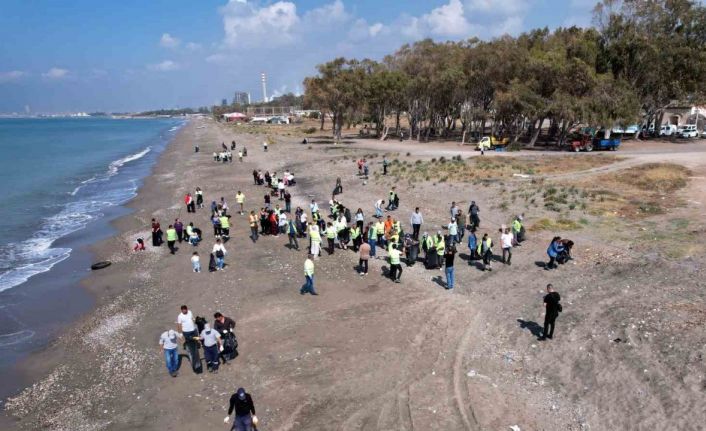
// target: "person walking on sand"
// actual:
[[416, 221], [196, 262], [315, 239], [292, 233], [385, 164], [363, 258], [220, 252], [506, 240], [309, 277], [244, 419], [156, 233], [199, 198], [485, 251], [473, 211], [211, 341], [190, 205], [372, 238], [240, 200], [185, 323], [287, 201], [472, 246], [252, 220], [449, 256], [264, 146], [225, 227], [453, 231], [395, 263], [240, 155], [179, 227], [552, 308], [169, 345], [330, 237], [378, 208], [171, 239]]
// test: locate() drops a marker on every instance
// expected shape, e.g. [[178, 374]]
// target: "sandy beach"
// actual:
[[368, 354]]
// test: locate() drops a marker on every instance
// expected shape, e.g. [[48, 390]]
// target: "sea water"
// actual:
[[59, 174]]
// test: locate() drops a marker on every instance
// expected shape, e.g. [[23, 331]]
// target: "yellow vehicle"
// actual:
[[491, 142]]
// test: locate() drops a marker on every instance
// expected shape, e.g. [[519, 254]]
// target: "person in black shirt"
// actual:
[[226, 327], [449, 255], [245, 418], [552, 310]]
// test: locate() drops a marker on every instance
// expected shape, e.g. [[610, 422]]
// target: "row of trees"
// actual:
[[641, 56]]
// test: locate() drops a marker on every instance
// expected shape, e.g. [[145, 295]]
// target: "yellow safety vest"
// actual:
[[308, 267], [394, 257], [171, 235], [225, 223], [440, 246]]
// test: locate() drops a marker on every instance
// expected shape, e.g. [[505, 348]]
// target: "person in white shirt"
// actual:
[[506, 238], [219, 251], [211, 340], [453, 231], [282, 222], [378, 208], [185, 323], [314, 207], [168, 343], [196, 262], [416, 221]]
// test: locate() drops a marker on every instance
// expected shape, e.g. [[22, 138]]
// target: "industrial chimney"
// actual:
[[264, 87]]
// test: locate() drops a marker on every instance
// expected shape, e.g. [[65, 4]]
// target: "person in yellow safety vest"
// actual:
[[517, 230], [331, 237], [398, 227], [380, 232], [356, 238], [225, 227], [252, 221], [171, 238], [392, 202], [341, 233], [485, 251], [393, 240], [395, 265], [309, 276], [315, 239], [440, 246], [240, 199]]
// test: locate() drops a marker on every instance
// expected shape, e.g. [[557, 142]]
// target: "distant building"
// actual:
[[241, 98], [224, 102], [681, 113], [254, 111]]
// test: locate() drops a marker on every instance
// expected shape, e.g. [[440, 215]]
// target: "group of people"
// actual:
[[219, 345]]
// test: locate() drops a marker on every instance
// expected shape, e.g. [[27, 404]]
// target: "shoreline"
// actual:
[[33, 361], [366, 353]]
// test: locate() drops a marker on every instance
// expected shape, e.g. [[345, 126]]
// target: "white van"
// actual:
[[688, 131], [667, 130]]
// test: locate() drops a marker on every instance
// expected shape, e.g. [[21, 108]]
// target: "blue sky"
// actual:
[[81, 55]]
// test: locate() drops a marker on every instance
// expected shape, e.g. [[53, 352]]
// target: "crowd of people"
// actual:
[[381, 237]]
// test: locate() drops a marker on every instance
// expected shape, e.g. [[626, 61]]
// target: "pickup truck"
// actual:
[[491, 142], [589, 143]]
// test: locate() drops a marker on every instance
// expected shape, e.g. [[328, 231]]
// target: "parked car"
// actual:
[[668, 130], [703, 133], [688, 131]]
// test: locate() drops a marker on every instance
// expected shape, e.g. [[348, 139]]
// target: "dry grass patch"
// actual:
[[489, 168], [637, 192], [561, 224]]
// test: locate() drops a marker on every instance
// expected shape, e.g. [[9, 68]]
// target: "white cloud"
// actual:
[[169, 41], [245, 24], [55, 73], [447, 20], [329, 14], [193, 46], [376, 28], [499, 7], [216, 58], [12, 75], [165, 66]]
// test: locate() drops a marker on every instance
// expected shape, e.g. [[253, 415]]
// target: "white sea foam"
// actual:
[[36, 255]]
